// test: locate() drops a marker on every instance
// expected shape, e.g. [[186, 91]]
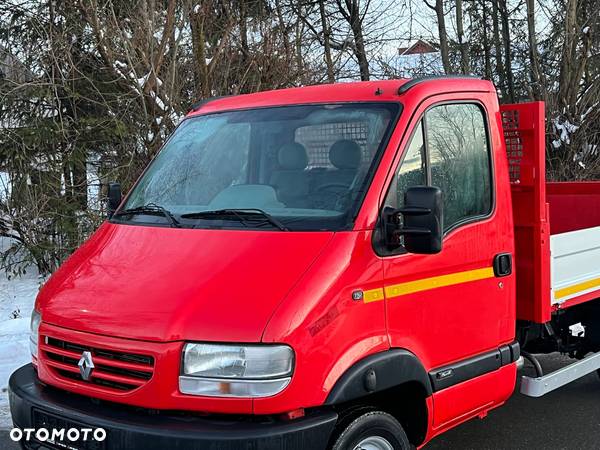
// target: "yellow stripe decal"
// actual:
[[425, 284], [373, 295], [576, 288]]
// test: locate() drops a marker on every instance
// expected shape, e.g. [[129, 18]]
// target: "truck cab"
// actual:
[[325, 267]]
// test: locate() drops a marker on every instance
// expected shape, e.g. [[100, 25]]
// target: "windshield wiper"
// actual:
[[151, 209], [242, 214]]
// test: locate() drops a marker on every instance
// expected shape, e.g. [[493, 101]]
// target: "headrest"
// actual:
[[292, 156], [345, 154]]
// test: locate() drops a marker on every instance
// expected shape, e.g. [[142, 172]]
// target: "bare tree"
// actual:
[[498, 47], [503, 8], [442, 34], [464, 46], [536, 73], [486, 41], [574, 58], [351, 12], [326, 42]]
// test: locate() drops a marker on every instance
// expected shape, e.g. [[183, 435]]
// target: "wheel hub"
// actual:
[[374, 443]]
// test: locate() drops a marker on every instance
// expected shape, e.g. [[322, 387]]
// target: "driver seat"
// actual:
[[332, 185], [345, 155]]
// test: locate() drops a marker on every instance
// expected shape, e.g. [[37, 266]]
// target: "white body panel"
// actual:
[[575, 265]]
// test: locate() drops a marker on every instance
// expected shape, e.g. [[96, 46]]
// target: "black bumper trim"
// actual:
[[129, 429]]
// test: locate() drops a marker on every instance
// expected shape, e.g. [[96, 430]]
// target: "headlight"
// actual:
[[221, 370], [36, 319]]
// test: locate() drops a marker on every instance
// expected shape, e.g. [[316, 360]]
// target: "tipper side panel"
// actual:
[[575, 242], [573, 205], [524, 134]]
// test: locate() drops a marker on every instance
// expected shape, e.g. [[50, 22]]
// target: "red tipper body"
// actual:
[[436, 329]]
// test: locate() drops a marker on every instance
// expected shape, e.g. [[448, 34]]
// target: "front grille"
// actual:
[[113, 370]]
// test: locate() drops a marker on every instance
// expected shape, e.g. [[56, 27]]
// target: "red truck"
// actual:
[[350, 266]]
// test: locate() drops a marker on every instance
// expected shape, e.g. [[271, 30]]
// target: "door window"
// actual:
[[459, 159], [412, 171], [450, 150]]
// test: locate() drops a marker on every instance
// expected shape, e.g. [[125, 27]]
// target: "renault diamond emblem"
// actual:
[[86, 365]]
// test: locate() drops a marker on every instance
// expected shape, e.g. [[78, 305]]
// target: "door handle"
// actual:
[[502, 264]]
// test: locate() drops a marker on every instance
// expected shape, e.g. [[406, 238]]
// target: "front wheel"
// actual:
[[374, 430]]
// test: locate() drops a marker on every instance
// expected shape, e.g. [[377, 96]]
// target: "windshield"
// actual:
[[287, 168]]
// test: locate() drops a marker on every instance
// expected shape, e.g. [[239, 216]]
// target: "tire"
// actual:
[[373, 430]]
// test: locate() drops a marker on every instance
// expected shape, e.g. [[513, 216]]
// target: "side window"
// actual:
[[459, 159], [411, 171]]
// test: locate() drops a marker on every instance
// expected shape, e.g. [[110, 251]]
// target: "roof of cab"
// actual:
[[361, 91]]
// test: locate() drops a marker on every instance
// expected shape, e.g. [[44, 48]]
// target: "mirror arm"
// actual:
[[391, 223], [413, 211], [414, 231], [394, 240], [114, 198]]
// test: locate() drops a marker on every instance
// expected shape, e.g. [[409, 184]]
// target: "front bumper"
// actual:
[[131, 428]]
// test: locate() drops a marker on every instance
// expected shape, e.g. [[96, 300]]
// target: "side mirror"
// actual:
[[114, 198], [423, 221]]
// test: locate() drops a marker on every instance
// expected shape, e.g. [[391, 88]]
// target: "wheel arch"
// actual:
[[394, 381]]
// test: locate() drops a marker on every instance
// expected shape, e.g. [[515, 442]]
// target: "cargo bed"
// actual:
[[557, 225]]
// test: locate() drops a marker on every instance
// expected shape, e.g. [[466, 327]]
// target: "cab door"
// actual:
[[451, 309]]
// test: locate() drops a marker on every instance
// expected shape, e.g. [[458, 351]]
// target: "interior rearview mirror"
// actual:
[[423, 224], [114, 197]]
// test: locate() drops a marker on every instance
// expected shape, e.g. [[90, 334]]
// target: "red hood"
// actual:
[[165, 284]]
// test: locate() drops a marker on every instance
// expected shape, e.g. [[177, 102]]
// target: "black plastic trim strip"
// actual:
[[378, 372], [458, 372], [200, 103], [415, 81]]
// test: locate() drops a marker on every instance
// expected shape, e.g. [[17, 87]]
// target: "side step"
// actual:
[[536, 387]]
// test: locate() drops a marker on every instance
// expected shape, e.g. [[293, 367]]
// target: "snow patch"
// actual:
[[5, 186], [17, 296], [158, 101], [141, 82], [588, 111], [565, 129]]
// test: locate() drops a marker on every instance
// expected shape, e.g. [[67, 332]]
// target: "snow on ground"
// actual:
[[16, 302]]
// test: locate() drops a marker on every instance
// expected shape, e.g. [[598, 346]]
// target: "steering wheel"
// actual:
[[325, 191]]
